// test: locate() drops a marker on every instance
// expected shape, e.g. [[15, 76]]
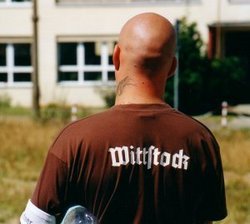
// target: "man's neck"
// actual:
[[138, 100], [137, 89]]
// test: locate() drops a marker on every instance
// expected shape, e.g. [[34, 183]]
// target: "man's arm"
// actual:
[[32, 214], [213, 203], [47, 204]]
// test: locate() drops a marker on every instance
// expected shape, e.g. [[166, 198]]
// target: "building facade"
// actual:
[[76, 40]]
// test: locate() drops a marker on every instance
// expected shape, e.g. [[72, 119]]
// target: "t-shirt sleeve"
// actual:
[[51, 188], [213, 200], [56, 187]]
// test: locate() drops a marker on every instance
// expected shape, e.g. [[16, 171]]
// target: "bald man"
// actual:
[[141, 161]]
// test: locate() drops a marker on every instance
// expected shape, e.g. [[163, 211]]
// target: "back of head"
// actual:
[[147, 44]]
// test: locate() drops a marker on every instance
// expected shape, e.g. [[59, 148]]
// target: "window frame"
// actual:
[[10, 3], [239, 2], [104, 67], [10, 68], [124, 2]]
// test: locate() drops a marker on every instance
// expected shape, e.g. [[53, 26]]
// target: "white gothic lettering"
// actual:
[[148, 157]]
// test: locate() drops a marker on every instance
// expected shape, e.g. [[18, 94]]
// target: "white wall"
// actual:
[[16, 22], [57, 20]]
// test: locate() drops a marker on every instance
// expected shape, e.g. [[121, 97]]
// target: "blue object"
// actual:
[[79, 215]]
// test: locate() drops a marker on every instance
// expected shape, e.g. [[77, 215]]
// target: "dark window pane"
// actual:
[[111, 76], [3, 77], [2, 54], [111, 60], [22, 77], [111, 56], [21, 0], [67, 54], [68, 76], [91, 57], [22, 54], [92, 76]]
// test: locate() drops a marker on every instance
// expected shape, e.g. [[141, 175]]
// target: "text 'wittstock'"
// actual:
[[148, 156]]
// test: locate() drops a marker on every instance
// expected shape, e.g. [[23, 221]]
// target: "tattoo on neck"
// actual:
[[122, 84]]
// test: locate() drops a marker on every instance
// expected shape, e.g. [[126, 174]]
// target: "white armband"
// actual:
[[34, 215]]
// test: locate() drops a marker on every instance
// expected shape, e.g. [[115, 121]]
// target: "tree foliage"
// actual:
[[204, 83]]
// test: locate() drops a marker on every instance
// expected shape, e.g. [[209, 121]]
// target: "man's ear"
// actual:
[[116, 57], [173, 67]]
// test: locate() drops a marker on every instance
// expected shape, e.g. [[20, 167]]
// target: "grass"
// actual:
[[24, 144], [235, 152]]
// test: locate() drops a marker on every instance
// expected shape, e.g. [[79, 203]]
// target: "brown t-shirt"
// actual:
[[135, 164]]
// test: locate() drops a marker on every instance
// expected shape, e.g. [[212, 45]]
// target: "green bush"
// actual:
[[109, 99], [55, 112], [5, 101], [108, 96], [63, 113], [205, 82]]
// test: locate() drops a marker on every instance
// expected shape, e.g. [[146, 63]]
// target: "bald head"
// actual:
[[147, 43], [144, 59]]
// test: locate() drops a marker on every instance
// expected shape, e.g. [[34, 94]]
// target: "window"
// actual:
[[85, 63], [9, 1], [15, 63], [15, 2], [122, 1], [240, 1]]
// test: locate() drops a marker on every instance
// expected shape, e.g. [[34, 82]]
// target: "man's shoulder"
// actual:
[[187, 120], [191, 127], [92, 119], [77, 133]]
